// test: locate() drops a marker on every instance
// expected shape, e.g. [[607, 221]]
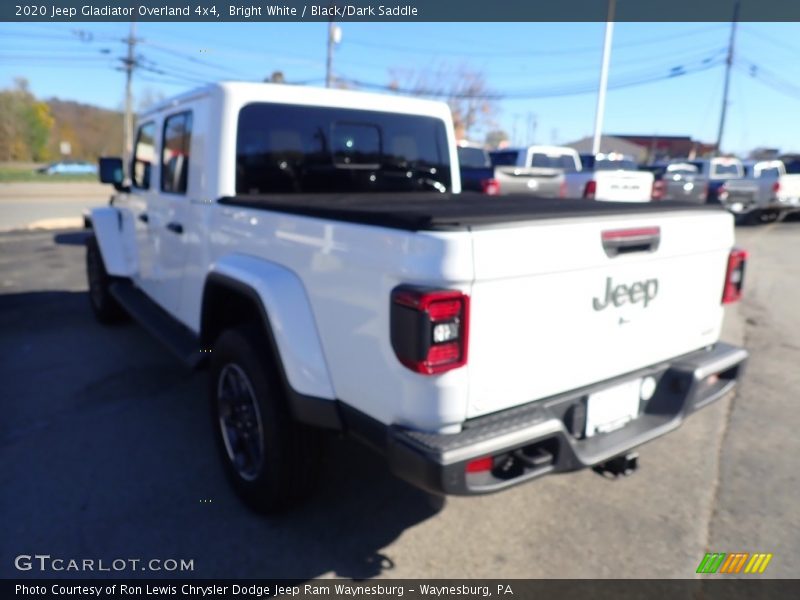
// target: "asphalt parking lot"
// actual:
[[48, 205], [106, 452]]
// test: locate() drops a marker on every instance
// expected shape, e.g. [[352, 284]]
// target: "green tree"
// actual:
[[25, 124], [39, 124]]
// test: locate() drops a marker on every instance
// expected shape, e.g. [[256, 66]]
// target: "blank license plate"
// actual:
[[612, 408]]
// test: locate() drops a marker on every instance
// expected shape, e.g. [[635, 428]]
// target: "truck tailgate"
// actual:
[[552, 311], [789, 190], [624, 186], [745, 191], [541, 181]]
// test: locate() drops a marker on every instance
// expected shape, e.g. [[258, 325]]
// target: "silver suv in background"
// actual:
[[770, 189], [716, 171], [677, 181], [537, 170]]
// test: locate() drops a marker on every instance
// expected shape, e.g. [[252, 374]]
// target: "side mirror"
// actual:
[[111, 171]]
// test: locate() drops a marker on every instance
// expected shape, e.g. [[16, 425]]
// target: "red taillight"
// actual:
[[659, 188], [562, 190], [776, 187], [429, 328], [444, 309], [480, 465], [590, 190], [490, 187], [734, 276]]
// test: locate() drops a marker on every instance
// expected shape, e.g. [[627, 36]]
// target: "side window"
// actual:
[[144, 153], [175, 153]]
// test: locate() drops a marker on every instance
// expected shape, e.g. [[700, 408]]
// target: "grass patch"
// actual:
[[14, 174]]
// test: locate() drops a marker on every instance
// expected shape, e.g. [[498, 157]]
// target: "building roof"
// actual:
[[609, 143]]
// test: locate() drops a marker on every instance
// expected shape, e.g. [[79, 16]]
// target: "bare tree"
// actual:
[[495, 138], [149, 98], [463, 87]]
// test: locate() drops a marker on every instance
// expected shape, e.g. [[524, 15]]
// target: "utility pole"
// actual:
[[334, 37], [601, 93], [728, 65], [532, 122], [130, 63]]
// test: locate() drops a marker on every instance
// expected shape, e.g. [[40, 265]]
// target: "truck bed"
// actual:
[[446, 212]]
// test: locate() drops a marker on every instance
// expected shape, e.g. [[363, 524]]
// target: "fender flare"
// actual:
[[291, 329], [117, 240]]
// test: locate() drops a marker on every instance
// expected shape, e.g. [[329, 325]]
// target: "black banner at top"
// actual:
[[398, 10]]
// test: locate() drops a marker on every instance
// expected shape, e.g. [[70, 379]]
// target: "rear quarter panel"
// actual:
[[348, 271]]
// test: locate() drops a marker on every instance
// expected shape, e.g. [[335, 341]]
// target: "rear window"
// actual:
[[614, 165], [768, 172], [289, 149], [726, 169], [792, 166], [474, 158], [553, 161], [683, 169], [507, 158]]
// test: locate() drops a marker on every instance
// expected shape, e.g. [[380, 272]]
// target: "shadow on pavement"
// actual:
[[107, 452], [72, 238]]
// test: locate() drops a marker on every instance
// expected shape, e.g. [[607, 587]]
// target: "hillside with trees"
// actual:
[[32, 130]]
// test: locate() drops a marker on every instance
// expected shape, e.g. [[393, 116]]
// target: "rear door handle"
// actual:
[[144, 218], [624, 241], [175, 227]]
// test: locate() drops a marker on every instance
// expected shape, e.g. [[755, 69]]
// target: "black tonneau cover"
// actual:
[[434, 211]]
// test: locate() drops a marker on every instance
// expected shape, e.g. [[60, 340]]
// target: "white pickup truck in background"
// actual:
[[608, 177], [311, 249], [769, 191]]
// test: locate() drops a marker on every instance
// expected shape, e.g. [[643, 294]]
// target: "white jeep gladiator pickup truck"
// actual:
[[310, 247]]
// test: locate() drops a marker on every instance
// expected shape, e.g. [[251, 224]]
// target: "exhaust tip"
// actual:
[[623, 465]]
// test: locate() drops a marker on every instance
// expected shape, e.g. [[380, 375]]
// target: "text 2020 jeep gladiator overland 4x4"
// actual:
[[315, 242]]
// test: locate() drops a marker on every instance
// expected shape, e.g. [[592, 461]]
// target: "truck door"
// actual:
[[169, 208], [143, 187]]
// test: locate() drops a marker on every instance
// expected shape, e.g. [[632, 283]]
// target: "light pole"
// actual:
[[334, 37], [601, 93]]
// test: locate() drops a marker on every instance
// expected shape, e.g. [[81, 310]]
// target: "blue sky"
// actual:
[[524, 62]]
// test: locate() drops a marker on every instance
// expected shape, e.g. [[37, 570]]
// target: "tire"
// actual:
[[749, 219], [105, 307], [271, 460]]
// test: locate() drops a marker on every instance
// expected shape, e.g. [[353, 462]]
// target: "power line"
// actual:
[[795, 50], [553, 92], [768, 78], [172, 52], [51, 58], [526, 51], [185, 78]]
